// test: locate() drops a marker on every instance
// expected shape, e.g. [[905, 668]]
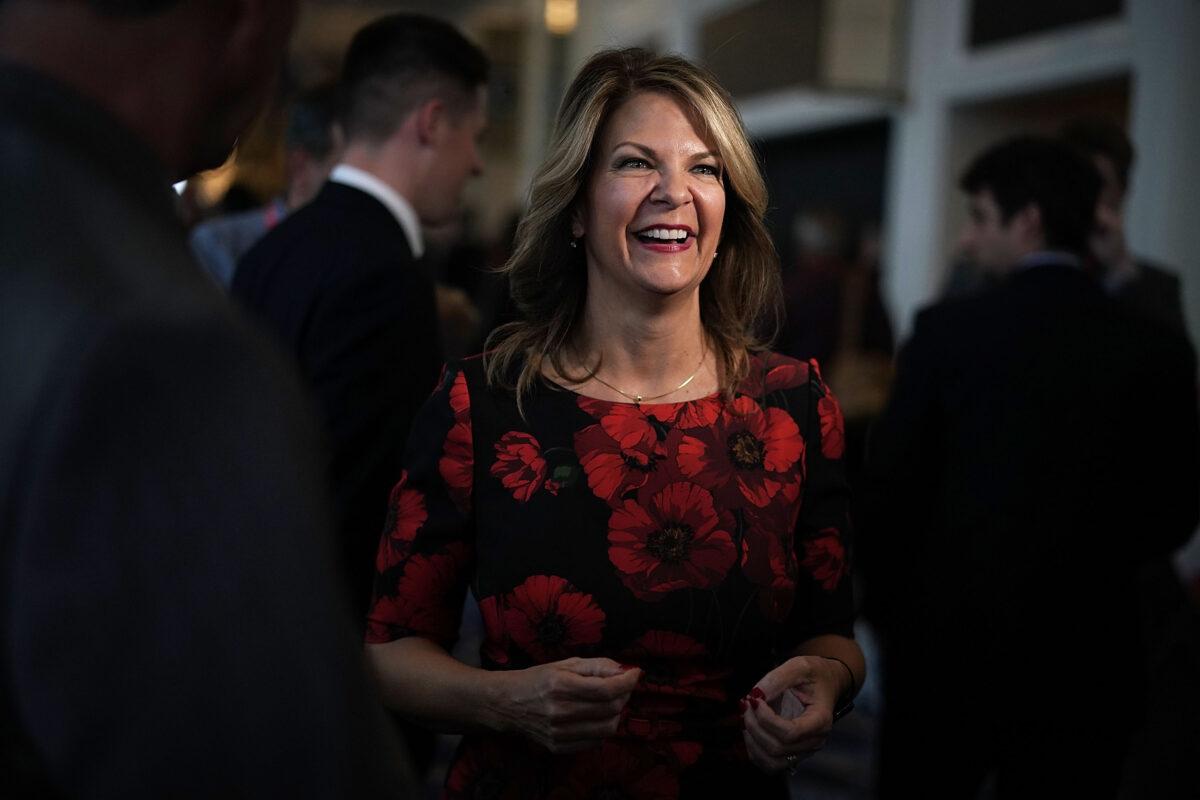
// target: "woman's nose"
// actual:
[[672, 188]]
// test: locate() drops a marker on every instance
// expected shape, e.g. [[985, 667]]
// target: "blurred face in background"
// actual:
[[456, 161], [655, 201], [987, 241], [1107, 242]]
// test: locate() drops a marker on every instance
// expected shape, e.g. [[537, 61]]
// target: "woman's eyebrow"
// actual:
[[650, 151], [647, 150]]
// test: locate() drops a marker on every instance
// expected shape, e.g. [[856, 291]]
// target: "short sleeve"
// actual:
[[426, 551], [824, 593]]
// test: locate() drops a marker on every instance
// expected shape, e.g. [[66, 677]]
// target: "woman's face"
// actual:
[[654, 202]]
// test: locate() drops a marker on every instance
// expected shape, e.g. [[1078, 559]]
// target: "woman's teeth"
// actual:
[[664, 234]]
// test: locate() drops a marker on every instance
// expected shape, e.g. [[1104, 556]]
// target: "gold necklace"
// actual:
[[637, 398]]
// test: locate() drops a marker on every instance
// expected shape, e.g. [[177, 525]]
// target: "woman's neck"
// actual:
[[645, 349]]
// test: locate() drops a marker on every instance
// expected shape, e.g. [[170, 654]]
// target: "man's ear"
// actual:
[[431, 117], [1028, 223]]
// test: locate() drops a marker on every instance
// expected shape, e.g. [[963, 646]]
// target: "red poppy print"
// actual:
[[426, 598], [825, 558], [457, 464], [833, 429], [618, 769], [460, 399], [494, 639], [748, 455], [519, 464], [550, 619], [675, 664], [612, 470], [781, 374], [676, 541], [691, 414], [767, 557], [406, 514], [629, 427]]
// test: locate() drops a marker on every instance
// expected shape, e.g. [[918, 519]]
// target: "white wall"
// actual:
[[1164, 209]]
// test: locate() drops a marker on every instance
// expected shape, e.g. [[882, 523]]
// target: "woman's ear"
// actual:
[[577, 229]]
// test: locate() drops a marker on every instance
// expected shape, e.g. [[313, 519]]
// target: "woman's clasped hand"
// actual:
[[569, 705]]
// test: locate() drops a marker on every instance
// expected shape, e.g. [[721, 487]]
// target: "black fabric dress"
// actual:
[[701, 541]]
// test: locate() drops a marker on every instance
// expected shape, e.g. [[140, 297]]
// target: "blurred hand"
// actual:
[[568, 705], [790, 711]]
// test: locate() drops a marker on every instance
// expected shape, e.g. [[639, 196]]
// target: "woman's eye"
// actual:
[[634, 163], [707, 169]]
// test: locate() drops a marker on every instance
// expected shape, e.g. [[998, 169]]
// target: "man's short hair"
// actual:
[[1096, 136], [397, 63], [1047, 173], [310, 121]]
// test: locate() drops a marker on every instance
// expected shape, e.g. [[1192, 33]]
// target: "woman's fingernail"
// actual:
[[742, 706], [754, 702], [627, 667], [757, 692]]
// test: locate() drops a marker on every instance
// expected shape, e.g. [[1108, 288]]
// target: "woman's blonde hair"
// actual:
[[740, 298]]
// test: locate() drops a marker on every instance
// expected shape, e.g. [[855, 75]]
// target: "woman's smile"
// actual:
[[666, 238]]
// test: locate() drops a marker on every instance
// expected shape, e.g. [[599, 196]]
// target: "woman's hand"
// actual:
[[789, 714], [568, 705]]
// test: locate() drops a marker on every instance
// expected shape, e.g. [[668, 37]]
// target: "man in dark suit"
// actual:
[[1039, 444], [170, 624], [339, 282]]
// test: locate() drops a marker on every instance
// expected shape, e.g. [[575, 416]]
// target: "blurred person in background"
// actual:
[[1167, 747], [340, 283], [1145, 288], [620, 481], [172, 627], [834, 313], [1039, 445], [311, 147]]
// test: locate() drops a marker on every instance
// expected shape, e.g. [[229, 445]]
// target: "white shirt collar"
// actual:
[[401, 209]]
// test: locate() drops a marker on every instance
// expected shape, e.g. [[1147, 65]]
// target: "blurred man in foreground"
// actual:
[[171, 627]]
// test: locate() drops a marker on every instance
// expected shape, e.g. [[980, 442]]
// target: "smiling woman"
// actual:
[[664, 583], [643, 145]]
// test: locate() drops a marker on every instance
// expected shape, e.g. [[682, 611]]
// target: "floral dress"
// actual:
[[701, 541]]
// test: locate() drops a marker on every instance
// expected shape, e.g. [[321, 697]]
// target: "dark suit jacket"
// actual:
[[1040, 443], [170, 625], [1154, 293], [337, 283]]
